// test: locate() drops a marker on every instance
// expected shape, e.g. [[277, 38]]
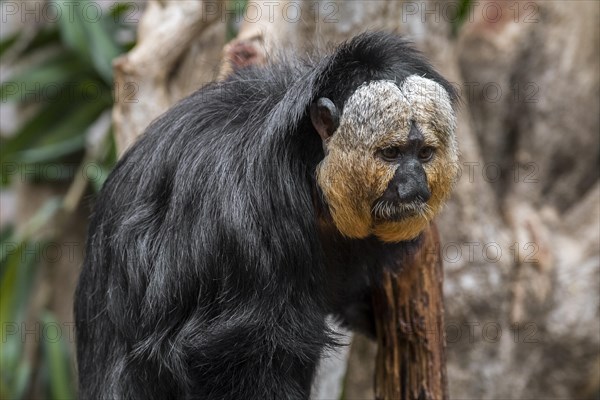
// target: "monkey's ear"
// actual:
[[325, 117]]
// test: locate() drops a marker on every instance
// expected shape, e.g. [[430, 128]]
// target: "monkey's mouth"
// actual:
[[390, 211]]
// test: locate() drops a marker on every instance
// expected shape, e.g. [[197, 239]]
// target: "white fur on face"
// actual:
[[373, 111], [431, 108], [380, 112]]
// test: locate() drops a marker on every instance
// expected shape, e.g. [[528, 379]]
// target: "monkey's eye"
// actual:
[[426, 153], [390, 153]]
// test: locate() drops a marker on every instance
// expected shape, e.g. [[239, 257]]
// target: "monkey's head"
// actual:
[[391, 157]]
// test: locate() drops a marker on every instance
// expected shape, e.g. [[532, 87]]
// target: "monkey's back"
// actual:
[[204, 207]]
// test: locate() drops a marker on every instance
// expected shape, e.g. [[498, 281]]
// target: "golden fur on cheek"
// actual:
[[351, 182]]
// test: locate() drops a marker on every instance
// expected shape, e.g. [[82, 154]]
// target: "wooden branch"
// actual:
[[177, 43], [409, 312]]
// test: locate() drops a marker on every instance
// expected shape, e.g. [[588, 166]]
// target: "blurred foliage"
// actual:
[[462, 14], [234, 22], [69, 83], [64, 80]]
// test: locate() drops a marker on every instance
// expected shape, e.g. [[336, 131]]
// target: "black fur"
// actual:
[[206, 274]]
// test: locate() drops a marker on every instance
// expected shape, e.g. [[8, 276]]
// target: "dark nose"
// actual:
[[413, 191], [412, 184]]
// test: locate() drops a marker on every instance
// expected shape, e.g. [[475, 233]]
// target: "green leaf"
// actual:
[[22, 377], [41, 217], [15, 370], [6, 232], [6, 239], [103, 50], [63, 136], [49, 172], [52, 151], [19, 259], [91, 39], [75, 122], [8, 42], [72, 27], [15, 287], [45, 119], [461, 15], [11, 254], [118, 9], [233, 24], [41, 81], [56, 358], [111, 155], [45, 38]]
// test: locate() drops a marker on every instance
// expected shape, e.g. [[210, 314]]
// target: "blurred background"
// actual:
[[80, 80]]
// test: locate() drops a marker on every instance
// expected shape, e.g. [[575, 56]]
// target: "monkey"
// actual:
[[253, 210]]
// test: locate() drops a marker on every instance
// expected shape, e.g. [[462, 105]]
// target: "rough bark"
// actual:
[[409, 309], [179, 49]]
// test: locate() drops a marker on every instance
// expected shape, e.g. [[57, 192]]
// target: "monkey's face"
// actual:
[[391, 157]]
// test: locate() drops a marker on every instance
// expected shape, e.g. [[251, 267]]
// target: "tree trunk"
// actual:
[[178, 50], [409, 312]]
